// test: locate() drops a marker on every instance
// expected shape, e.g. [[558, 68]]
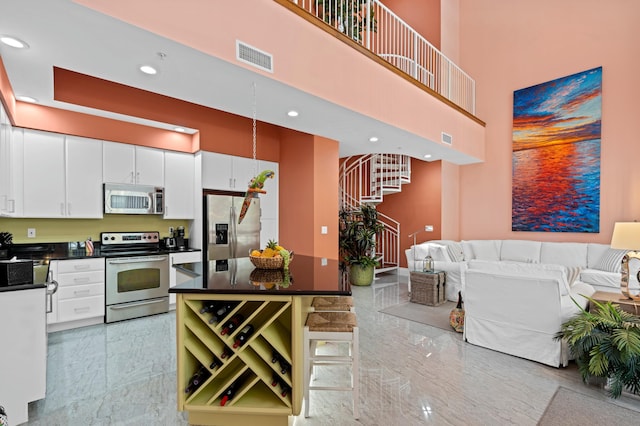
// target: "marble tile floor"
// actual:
[[411, 374]]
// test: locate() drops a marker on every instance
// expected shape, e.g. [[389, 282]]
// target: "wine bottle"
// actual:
[[226, 353], [232, 324], [208, 306], [275, 379], [243, 335], [197, 379], [284, 366], [275, 356], [215, 363], [230, 392], [221, 312], [284, 388]]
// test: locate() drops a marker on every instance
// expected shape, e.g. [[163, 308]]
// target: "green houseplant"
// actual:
[[357, 239], [348, 16], [606, 344]]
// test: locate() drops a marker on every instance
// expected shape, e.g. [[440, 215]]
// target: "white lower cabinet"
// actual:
[[79, 300], [176, 277]]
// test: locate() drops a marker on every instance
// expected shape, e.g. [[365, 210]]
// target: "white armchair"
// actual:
[[518, 309]]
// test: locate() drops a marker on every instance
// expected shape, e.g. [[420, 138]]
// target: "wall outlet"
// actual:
[[324, 230], [428, 228], [31, 232]]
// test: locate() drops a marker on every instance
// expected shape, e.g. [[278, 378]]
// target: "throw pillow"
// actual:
[[611, 260], [485, 249], [455, 251], [439, 252]]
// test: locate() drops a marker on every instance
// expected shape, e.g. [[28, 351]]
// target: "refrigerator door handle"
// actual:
[[233, 243]]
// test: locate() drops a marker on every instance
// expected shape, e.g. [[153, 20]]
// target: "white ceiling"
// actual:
[[64, 34]]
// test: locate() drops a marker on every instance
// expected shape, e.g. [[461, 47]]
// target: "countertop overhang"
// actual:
[[307, 275]]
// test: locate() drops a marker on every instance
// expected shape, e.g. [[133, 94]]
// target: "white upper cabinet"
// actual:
[[226, 172], [62, 175], [44, 175], [179, 185], [124, 163], [10, 168], [84, 177]]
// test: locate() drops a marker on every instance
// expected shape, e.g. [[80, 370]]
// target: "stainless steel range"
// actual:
[[137, 275]]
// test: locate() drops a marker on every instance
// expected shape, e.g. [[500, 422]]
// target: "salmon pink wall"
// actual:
[[218, 131], [6, 93], [308, 194], [417, 205], [508, 45], [423, 16], [269, 26], [40, 117]]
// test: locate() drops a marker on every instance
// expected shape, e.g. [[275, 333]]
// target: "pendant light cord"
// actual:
[[255, 160]]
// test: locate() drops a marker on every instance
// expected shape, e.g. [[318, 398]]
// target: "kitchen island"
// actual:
[[275, 304]]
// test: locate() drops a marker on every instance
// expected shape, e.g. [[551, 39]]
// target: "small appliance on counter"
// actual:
[[180, 241], [170, 241], [16, 272], [6, 239]]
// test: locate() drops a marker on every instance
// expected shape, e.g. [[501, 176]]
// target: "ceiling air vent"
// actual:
[[253, 56], [448, 139]]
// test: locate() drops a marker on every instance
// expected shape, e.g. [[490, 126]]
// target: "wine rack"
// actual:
[[199, 342]]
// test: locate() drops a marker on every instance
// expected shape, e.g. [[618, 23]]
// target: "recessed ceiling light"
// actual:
[[179, 129], [292, 113], [373, 139], [14, 42], [148, 69], [427, 156], [27, 99]]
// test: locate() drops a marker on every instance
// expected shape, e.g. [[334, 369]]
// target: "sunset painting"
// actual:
[[556, 155]]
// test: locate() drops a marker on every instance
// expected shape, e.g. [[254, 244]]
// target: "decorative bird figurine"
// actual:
[[255, 188]]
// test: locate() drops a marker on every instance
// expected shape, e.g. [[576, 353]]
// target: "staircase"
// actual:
[[367, 179]]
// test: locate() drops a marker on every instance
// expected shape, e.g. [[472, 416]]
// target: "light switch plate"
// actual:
[[324, 230]]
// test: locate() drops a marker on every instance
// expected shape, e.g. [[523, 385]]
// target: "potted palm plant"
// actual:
[[357, 238], [606, 344]]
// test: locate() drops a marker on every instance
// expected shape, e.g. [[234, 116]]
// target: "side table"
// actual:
[[427, 288], [627, 305]]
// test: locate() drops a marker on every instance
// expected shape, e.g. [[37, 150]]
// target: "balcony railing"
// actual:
[[374, 26]]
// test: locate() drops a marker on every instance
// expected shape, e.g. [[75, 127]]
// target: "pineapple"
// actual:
[[270, 250]]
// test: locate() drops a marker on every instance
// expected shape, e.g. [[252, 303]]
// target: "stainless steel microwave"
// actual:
[[133, 199]]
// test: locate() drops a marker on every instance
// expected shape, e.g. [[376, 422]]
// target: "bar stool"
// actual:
[[338, 327], [332, 303]]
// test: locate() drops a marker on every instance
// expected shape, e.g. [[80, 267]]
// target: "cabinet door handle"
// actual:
[[81, 280], [81, 267], [82, 309], [69, 209], [81, 292], [12, 203], [62, 209], [138, 177]]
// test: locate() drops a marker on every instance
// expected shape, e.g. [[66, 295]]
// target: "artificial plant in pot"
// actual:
[[358, 229], [606, 344]]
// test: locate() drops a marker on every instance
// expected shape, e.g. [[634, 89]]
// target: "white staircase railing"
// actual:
[[367, 179], [374, 26]]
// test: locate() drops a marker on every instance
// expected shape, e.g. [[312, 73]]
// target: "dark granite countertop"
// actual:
[[307, 275], [21, 287], [61, 251]]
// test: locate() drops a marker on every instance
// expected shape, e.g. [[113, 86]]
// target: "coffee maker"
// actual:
[[170, 241], [180, 241]]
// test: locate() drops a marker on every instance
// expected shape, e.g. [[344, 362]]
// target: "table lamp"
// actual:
[[626, 236]]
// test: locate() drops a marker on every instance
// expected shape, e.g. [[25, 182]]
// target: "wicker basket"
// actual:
[[428, 288], [269, 262]]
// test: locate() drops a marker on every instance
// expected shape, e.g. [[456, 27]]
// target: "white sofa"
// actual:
[[517, 293], [596, 264]]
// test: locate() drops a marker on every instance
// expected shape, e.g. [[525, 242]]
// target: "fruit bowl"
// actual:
[[270, 278], [269, 262]]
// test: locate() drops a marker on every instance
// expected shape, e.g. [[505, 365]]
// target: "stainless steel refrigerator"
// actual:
[[224, 237]]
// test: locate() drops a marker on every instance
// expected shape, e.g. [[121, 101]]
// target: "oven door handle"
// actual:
[[133, 304], [138, 260]]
